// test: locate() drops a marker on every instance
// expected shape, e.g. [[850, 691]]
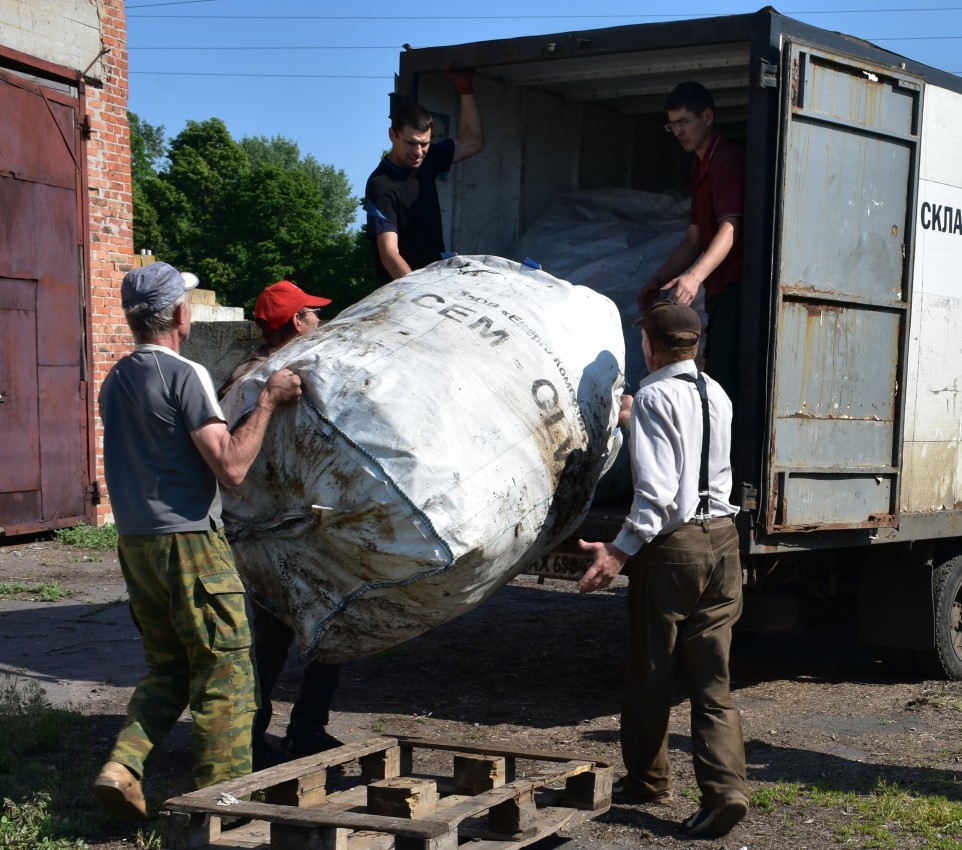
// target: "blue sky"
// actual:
[[320, 71]]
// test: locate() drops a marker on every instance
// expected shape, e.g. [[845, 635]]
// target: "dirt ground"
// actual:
[[537, 667]]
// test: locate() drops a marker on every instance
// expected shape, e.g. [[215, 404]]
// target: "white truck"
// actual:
[[846, 452]]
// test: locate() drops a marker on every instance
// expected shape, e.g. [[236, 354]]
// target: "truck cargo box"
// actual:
[[849, 420]]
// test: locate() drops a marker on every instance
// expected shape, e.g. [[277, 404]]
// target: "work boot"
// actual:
[[718, 820], [263, 755], [299, 743], [624, 791], [120, 791]]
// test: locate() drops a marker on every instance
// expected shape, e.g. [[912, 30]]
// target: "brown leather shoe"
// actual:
[[119, 790]]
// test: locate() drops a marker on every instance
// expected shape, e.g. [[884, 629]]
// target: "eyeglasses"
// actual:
[[680, 125], [304, 313]]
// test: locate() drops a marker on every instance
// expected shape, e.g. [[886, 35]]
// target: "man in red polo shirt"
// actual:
[[710, 254]]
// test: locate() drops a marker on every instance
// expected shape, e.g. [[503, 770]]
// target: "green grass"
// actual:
[[26, 826], [45, 770], [45, 591], [88, 537], [149, 840], [780, 794], [47, 765], [884, 817]]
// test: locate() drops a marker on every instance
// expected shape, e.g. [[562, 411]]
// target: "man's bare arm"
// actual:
[[391, 259], [686, 285], [470, 138], [230, 455], [685, 253]]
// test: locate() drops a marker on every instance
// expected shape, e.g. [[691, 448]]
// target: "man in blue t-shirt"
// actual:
[[166, 447], [401, 199]]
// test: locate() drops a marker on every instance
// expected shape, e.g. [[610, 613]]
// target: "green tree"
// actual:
[[148, 146], [242, 215], [338, 207]]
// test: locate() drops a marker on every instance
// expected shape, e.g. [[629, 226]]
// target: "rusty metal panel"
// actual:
[[63, 469], [836, 394], [19, 411], [847, 211], [823, 499], [849, 156], [37, 131], [43, 420]]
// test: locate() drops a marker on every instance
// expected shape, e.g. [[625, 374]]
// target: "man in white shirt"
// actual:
[[685, 584]]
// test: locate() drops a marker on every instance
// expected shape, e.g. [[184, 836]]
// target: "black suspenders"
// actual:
[[702, 511]]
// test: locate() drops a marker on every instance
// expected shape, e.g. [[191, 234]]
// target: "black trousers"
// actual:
[[722, 340], [311, 710]]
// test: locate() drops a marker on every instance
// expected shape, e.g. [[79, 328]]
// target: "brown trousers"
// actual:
[[684, 596]]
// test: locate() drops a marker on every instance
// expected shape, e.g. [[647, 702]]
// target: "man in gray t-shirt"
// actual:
[[166, 446], [156, 398]]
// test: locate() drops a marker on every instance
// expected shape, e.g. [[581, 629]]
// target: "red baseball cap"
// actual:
[[281, 301]]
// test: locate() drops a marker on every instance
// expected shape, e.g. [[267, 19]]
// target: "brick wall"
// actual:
[[111, 215]]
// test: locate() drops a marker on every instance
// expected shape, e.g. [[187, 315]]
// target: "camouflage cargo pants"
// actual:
[[188, 602]]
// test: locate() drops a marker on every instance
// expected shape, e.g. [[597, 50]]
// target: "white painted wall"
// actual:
[[65, 32]]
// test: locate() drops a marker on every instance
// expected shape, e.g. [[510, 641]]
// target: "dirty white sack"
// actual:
[[611, 240], [453, 428]]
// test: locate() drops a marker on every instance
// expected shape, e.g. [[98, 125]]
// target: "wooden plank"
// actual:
[[448, 841], [590, 790], [517, 817], [322, 816], [307, 790], [381, 765], [370, 841], [403, 797], [475, 773], [532, 755], [245, 786], [511, 814], [187, 831], [549, 822], [483, 802], [284, 837]]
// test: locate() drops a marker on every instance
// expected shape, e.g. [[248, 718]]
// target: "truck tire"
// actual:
[[768, 611], [945, 661]]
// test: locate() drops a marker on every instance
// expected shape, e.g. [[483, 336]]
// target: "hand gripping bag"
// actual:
[[453, 427]]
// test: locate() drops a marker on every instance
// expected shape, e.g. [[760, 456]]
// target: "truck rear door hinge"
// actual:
[[767, 75], [748, 500]]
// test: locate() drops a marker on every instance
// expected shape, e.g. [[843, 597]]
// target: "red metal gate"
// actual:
[[44, 410]]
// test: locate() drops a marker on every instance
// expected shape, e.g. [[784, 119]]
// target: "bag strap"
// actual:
[[702, 385]]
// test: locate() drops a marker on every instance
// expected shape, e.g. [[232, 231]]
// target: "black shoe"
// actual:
[[298, 744], [623, 792], [719, 820], [263, 756]]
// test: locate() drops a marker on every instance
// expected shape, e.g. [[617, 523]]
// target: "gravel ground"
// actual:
[[538, 667]]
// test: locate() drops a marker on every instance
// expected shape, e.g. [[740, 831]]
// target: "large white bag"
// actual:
[[453, 428]]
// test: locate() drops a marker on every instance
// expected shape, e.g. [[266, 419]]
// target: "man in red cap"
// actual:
[[283, 312], [685, 585]]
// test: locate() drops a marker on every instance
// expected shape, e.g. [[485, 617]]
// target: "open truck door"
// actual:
[[845, 200]]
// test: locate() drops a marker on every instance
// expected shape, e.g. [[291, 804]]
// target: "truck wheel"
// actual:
[[945, 661]]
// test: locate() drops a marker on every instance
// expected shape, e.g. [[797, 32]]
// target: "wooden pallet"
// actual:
[[367, 796]]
